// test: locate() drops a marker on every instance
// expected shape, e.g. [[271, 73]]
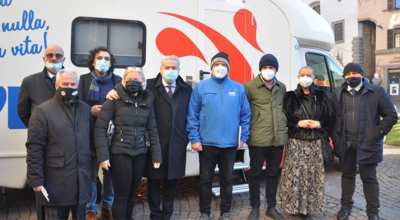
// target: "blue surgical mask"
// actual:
[[53, 67], [102, 65], [170, 75]]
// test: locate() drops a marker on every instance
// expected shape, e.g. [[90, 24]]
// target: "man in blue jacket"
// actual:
[[218, 107]]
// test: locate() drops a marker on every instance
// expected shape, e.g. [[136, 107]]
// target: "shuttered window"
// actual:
[[390, 5], [390, 39]]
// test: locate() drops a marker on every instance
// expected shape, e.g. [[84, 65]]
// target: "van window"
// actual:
[[318, 63], [125, 39], [336, 73]]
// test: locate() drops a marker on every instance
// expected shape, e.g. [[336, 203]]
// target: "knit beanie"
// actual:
[[221, 56], [269, 59], [353, 67]]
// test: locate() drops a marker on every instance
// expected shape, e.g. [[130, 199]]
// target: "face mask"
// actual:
[[170, 75], [220, 71], [102, 65], [353, 81], [53, 67], [268, 74], [67, 94], [305, 81], [133, 86]]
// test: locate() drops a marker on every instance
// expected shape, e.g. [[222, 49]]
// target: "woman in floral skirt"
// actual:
[[310, 116]]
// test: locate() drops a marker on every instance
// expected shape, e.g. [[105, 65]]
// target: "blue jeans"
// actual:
[[107, 190]]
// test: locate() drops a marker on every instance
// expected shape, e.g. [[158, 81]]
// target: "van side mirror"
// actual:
[[202, 76]]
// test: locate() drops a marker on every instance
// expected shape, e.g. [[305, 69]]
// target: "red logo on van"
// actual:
[[246, 26]]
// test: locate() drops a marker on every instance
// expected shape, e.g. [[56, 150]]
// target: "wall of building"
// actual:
[[336, 10]]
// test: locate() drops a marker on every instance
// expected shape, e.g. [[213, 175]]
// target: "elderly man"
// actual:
[[39, 87], [59, 151], [218, 107], [94, 87], [357, 136], [268, 134]]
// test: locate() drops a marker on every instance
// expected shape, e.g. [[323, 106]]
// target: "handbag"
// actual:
[[327, 150]]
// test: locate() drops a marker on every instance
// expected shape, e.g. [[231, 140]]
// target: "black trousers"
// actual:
[[62, 212], [154, 193], [257, 158], [209, 158], [368, 177], [126, 174]]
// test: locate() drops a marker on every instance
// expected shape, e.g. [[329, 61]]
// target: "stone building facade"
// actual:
[[378, 47], [342, 16]]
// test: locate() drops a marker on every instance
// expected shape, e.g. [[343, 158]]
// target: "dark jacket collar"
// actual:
[[300, 92], [366, 85]]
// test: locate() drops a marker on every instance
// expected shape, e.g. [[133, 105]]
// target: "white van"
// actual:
[[139, 33]]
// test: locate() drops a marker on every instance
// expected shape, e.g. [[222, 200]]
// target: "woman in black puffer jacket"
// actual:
[[133, 116]]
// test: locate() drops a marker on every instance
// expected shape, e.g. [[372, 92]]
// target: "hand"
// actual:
[[304, 124], [240, 145], [156, 165], [112, 95], [37, 188], [314, 124], [105, 164], [95, 110], [197, 147]]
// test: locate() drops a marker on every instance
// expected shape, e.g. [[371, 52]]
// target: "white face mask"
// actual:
[[305, 81], [220, 71], [53, 67], [102, 65], [268, 74]]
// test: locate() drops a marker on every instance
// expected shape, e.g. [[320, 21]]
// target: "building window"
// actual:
[[126, 39], [397, 37], [317, 6], [338, 30], [317, 9]]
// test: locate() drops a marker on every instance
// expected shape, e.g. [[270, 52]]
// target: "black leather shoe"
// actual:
[[374, 217], [254, 214], [343, 214], [274, 214]]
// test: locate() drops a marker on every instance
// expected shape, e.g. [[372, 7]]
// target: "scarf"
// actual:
[[93, 93]]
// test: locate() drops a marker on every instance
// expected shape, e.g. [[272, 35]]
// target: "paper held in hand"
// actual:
[[44, 192], [240, 133]]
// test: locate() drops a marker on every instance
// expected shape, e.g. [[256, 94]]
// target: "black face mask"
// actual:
[[353, 81], [68, 94], [133, 86]]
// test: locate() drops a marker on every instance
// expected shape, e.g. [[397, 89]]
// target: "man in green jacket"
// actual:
[[268, 134]]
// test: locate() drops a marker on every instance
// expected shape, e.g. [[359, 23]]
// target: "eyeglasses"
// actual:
[[105, 58], [58, 56]]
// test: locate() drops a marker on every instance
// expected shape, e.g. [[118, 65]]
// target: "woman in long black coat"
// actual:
[[133, 116]]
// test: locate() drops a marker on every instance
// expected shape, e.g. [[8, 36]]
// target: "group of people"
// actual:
[[69, 117]]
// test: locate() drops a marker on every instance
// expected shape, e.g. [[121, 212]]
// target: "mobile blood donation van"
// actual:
[[140, 33]]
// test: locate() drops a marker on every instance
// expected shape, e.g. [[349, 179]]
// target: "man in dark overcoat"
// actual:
[[171, 103], [59, 151], [39, 87], [357, 136]]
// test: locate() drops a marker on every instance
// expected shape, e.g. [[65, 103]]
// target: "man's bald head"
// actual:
[[54, 54]]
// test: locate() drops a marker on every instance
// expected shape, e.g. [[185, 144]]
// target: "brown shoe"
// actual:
[[106, 213], [91, 215]]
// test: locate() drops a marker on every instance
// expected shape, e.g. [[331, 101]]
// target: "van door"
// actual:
[[227, 26]]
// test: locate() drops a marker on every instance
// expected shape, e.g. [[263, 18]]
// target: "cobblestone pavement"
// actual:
[[187, 198]]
